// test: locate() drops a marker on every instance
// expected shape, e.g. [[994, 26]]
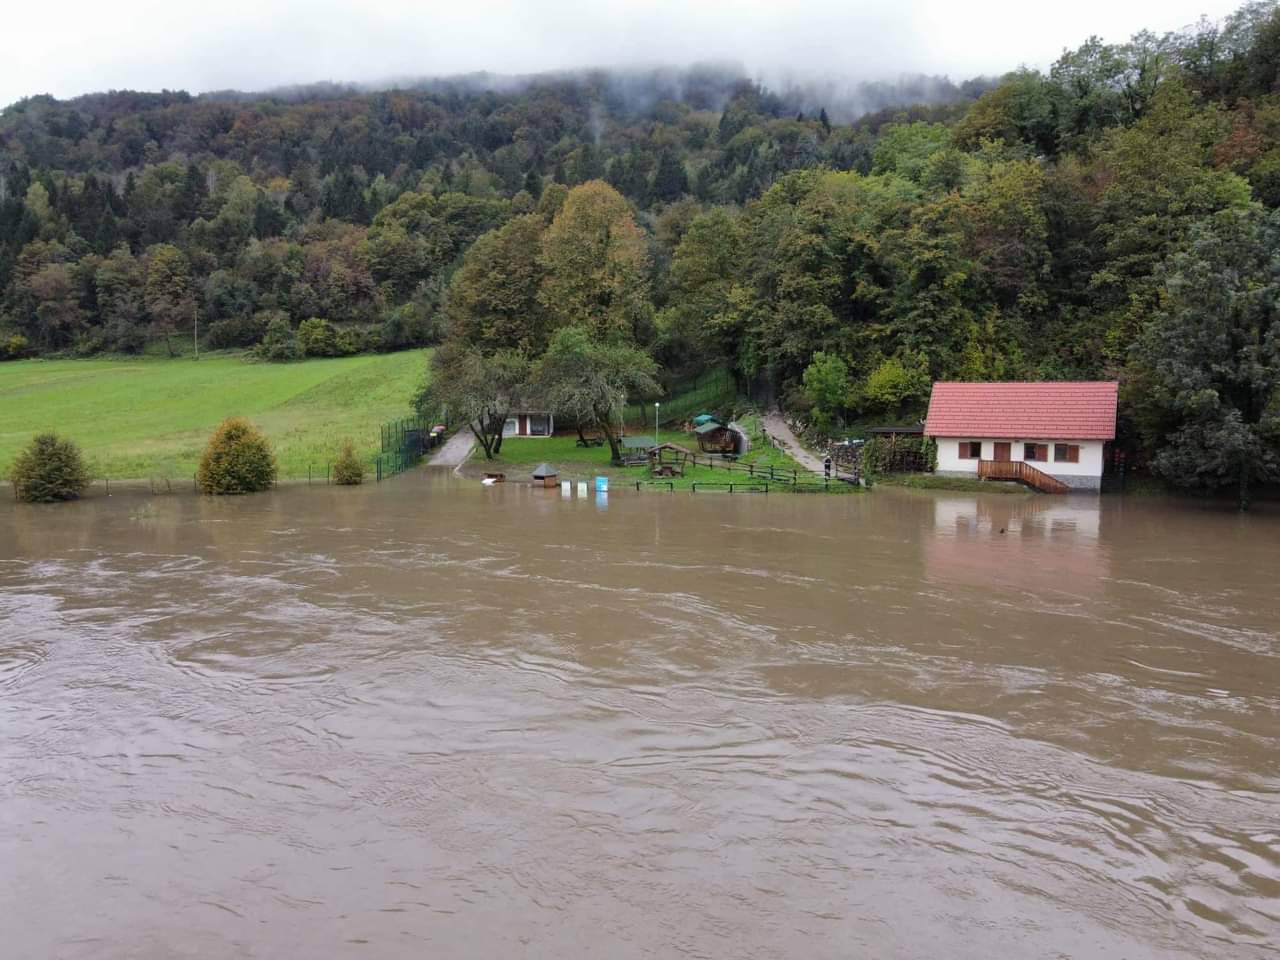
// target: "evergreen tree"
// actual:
[[670, 182], [1214, 355]]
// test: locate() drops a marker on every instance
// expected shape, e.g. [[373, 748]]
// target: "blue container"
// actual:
[[602, 484]]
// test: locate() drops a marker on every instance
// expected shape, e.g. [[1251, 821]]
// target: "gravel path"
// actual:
[[455, 450], [778, 429]]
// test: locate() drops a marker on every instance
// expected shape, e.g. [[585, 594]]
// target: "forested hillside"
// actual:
[[1113, 216]]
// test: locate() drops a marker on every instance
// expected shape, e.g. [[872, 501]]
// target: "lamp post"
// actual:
[[656, 404]]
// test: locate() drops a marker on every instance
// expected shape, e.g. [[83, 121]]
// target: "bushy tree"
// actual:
[[895, 382], [317, 338], [49, 469], [169, 296], [347, 469], [477, 389], [827, 388], [237, 459], [590, 381], [1213, 352], [279, 343], [597, 265]]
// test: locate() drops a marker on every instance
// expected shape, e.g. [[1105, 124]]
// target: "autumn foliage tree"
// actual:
[[238, 459]]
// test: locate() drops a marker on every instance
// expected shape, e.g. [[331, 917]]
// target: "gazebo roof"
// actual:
[[711, 426], [544, 470]]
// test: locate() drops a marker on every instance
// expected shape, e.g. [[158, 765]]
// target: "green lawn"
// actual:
[[150, 417], [521, 454]]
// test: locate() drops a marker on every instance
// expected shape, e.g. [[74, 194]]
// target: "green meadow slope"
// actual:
[[150, 417]]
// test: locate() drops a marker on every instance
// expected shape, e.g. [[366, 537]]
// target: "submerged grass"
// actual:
[[147, 417], [930, 481]]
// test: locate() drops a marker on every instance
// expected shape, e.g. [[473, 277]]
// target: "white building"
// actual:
[[529, 423], [1024, 431]]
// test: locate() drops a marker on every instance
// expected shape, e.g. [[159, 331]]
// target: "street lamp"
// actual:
[[656, 404]]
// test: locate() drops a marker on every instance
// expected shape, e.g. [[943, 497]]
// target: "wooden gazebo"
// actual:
[[668, 460]]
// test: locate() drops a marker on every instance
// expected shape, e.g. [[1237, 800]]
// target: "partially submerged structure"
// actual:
[[668, 460], [1050, 436], [545, 475]]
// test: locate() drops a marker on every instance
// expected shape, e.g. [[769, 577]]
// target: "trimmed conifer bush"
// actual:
[[48, 470], [347, 469], [238, 459]]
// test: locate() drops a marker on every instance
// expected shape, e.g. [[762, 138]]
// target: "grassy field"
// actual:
[[150, 417]]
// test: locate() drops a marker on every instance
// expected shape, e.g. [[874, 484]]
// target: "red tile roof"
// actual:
[[1023, 411]]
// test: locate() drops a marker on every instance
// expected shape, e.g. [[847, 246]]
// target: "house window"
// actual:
[[1035, 451], [538, 425], [1066, 453], [970, 449]]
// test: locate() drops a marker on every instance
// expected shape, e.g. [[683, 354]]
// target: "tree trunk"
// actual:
[[1244, 484], [482, 436], [609, 434]]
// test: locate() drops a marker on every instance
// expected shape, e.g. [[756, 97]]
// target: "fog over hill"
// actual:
[[247, 45]]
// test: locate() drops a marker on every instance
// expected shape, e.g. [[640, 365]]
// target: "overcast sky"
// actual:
[[69, 48]]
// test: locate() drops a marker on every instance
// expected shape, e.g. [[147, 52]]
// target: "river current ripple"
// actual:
[[430, 718]]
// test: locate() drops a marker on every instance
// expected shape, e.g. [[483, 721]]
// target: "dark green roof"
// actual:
[[710, 427]]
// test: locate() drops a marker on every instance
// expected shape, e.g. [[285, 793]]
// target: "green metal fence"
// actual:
[[685, 400], [404, 443]]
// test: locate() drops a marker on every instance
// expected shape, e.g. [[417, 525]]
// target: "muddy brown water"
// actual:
[[432, 719]]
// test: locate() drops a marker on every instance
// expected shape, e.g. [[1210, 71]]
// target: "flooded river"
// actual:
[[429, 720]]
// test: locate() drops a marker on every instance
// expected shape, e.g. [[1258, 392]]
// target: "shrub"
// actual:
[[826, 381], [894, 383], [235, 332], [347, 469], [279, 345], [49, 469], [238, 459], [349, 342], [15, 347], [317, 338]]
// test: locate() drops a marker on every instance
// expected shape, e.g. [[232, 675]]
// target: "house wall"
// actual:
[[1085, 475], [517, 425]]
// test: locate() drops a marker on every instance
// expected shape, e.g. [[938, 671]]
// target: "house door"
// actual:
[[1004, 452]]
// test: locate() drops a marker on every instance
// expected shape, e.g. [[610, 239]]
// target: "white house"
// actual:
[[1024, 431], [529, 423]]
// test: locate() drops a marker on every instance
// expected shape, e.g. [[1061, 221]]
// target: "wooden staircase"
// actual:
[[1020, 472]]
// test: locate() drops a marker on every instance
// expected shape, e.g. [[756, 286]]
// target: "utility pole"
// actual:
[[195, 329]]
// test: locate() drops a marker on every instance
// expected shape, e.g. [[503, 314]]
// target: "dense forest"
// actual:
[[1114, 216]]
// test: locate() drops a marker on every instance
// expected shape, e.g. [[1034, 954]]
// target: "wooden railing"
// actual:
[[1022, 472]]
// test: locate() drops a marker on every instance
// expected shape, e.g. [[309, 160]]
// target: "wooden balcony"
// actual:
[[1022, 472]]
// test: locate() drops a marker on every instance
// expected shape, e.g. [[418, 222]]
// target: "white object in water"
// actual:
[[566, 488], [582, 488], [488, 481]]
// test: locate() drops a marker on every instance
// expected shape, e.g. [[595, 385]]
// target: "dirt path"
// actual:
[[778, 429], [455, 450]]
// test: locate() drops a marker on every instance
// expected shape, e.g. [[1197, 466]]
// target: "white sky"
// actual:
[[81, 46]]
